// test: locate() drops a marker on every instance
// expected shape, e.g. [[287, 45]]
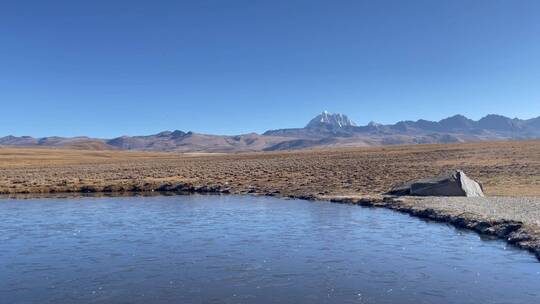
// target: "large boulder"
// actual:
[[454, 184]]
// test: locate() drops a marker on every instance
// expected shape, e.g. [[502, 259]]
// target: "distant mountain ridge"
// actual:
[[495, 125], [324, 130]]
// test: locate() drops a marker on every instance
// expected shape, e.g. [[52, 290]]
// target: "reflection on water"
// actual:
[[234, 249]]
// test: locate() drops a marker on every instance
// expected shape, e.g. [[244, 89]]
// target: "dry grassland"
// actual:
[[505, 168]]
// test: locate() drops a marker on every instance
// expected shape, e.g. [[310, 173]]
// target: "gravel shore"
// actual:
[[523, 209]]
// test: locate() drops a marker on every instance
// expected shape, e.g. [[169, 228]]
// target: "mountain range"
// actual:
[[325, 130]]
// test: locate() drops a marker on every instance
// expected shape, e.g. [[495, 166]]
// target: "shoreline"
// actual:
[[509, 171], [514, 232]]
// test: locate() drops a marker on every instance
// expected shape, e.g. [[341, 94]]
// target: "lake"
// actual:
[[244, 249]]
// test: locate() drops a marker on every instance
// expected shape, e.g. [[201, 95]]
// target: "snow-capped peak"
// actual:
[[334, 121]]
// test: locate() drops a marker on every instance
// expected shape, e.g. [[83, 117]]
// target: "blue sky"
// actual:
[[109, 68]]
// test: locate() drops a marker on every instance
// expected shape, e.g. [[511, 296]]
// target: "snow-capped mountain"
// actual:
[[330, 121]]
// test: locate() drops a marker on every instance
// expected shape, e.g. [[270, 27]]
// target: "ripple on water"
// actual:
[[234, 249]]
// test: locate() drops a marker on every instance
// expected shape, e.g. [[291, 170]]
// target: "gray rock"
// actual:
[[455, 184]]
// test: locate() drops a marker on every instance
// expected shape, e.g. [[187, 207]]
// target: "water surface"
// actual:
[[235, 249]]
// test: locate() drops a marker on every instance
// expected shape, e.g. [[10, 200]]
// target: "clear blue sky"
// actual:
[[108, 68]]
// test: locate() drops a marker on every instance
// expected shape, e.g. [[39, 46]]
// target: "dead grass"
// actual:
[[505, 168]]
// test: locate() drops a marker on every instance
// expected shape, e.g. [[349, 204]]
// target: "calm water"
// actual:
[[233, 249]]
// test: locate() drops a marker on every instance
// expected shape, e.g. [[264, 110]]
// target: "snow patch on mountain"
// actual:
[[330, 120]]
